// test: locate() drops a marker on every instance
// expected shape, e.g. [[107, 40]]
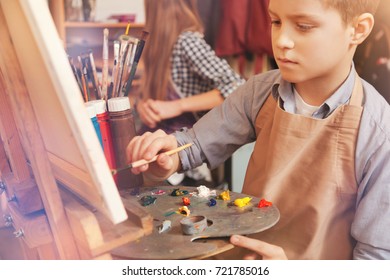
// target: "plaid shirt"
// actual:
[[197, 69]]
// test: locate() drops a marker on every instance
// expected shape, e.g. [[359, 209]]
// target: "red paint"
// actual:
[[105, 130], [264, 203], [186, 201]]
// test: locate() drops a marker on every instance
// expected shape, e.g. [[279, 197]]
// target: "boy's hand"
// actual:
[[146, 147], [260, 248]]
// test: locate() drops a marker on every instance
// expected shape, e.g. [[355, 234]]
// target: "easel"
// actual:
[[43, 191]]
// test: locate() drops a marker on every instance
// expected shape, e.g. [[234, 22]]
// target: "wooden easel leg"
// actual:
[[34, 147]]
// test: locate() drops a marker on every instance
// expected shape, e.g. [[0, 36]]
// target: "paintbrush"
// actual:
[[138, 53], [93, 75], [141, 162], [75, 73], [121, 61], [132, 47], [105, 65], [114, 75], [84, 79], [124, 46]]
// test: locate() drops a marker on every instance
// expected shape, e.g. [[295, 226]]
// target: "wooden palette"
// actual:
[[224, 219]]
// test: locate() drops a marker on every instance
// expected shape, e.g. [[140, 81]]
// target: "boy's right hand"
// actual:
[[146, 147]]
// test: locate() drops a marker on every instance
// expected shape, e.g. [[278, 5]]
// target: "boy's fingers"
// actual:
[[252, 256], [264, 249]]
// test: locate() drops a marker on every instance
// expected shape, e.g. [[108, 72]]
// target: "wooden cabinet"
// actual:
[[79, 36]]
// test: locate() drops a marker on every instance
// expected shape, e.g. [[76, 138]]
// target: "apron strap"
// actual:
[[357, 93]]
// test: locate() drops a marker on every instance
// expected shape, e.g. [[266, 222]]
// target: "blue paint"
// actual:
[[169, 213], [147, 200], [212, 202], [92, 114], [97, 129]]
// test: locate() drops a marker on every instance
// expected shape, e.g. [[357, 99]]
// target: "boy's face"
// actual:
[[309, 41]]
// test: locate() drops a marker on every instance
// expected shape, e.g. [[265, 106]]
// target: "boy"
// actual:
[[322, 138]]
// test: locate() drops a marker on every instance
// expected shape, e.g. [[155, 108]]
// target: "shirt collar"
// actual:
[[284, 90]]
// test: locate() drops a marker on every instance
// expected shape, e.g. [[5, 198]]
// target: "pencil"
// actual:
[[127, 28], [141, 162]]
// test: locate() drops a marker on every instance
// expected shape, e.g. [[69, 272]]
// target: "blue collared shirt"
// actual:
[[340, 97], [229, 126]]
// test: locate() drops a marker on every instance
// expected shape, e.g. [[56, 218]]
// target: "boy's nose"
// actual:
[[282, 39]]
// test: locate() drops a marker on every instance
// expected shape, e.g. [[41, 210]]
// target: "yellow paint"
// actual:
[[225, 195], [241, 202], [184, 211]]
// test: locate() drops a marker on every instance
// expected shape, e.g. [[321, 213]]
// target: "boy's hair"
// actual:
[[350, 9]]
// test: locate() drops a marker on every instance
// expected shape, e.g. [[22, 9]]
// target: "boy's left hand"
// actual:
[[260, 248]]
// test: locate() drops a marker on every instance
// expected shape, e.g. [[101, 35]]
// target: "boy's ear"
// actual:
[[363, 26]]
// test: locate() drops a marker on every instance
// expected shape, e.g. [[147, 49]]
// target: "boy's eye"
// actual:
[[304, 27], [275, 22]]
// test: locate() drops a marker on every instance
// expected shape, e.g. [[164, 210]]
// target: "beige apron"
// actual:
[[306, 167]]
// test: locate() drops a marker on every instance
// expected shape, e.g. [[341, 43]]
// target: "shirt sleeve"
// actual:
[[371, 224], [219, 133], [203, 61]]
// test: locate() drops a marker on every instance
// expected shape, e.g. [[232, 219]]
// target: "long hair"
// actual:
[[164, 20]]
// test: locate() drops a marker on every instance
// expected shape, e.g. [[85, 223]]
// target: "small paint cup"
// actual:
[[193, 225]]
